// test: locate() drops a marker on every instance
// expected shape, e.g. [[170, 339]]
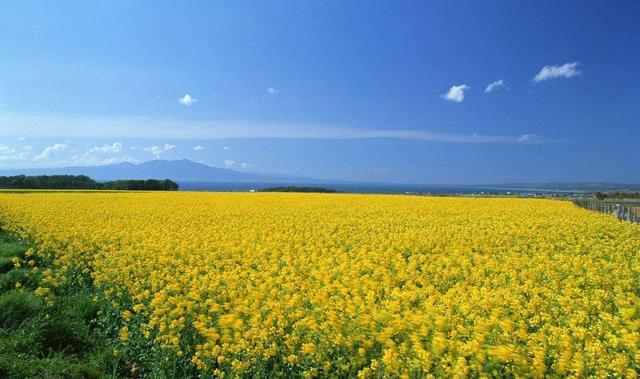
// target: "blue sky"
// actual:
[[376, 91]]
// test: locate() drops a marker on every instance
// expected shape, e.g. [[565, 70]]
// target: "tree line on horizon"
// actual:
[[617, 195], [68, 182]]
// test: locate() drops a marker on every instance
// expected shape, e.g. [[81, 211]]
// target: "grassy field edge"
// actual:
[[40, 338]]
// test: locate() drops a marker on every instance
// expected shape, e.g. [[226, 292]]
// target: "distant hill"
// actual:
[[299, 189], [182, 170]]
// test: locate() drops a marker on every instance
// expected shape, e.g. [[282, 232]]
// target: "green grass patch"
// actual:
[[6, 264], [58, 341], [23, 276], [10, 246], [18, 306]]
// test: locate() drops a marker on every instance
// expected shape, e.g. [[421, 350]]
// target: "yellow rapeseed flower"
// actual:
[[339, 284]]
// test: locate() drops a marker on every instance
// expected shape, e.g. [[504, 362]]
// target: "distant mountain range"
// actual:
[[182, 170], [193, 175]]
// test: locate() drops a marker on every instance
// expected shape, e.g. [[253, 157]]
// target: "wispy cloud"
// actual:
[[88, 158], [566, 70], [498, 84], [10, 154], [60, 155], [187, 100], [159, 150], [229, 163], [17, 157], [4, 149], [272, 91], [114, 160], [114, 148], [49, 151], [456, 93], [177, 129], [198, 148], [527, 137]]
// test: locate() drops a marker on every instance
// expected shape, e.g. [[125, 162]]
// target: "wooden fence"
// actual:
[[625, 211]]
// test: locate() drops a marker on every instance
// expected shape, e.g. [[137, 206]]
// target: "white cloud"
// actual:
[[114, 148], [50, 151], [527, 137], [567, 70], [229, 163], [4, 149], [114, 160], [225, 148], [89, 159], [9, 154], [456, 93], [187, 100], [57, 155], [273, 91], [21, 156], [155, 150], [198, 148], [245, 166], [21, 138], [498, 84], [159, 150]]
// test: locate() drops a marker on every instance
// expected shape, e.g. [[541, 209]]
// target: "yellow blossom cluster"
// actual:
[[352, 285]]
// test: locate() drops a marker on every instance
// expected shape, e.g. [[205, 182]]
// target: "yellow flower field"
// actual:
[[358, 285]]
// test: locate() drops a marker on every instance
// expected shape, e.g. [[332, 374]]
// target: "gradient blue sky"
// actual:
[[376, 91]]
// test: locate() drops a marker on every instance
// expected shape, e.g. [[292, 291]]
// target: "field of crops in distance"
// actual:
[[269, 284]]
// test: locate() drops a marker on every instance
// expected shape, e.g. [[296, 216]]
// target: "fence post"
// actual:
[[622, 211]]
